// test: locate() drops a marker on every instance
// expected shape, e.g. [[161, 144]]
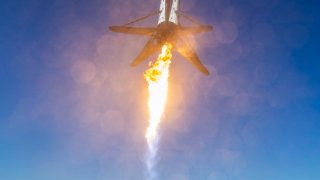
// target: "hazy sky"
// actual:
[[71, 107]]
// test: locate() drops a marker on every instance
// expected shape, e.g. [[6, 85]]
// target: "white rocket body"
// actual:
[[168, 30], [169, 11]]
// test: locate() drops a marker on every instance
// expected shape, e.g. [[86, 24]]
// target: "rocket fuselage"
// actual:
[[169, 11], [168, 30], [168, 22]]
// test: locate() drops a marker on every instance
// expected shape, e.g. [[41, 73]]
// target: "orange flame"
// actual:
[[157, 77]]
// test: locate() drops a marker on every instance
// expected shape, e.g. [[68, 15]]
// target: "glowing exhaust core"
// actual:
[[157, 77]]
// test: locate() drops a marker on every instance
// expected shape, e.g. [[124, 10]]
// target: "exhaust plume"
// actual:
[[157, 77]]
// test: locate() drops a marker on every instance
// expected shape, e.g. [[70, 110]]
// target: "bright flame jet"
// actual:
[[169, 30], [157, 77]]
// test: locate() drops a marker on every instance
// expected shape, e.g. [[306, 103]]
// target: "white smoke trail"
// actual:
[[151, 159]]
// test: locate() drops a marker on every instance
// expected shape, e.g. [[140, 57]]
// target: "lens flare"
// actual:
[[157, 77]]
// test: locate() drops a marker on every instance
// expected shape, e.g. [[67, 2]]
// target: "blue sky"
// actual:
[[72, 108]]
